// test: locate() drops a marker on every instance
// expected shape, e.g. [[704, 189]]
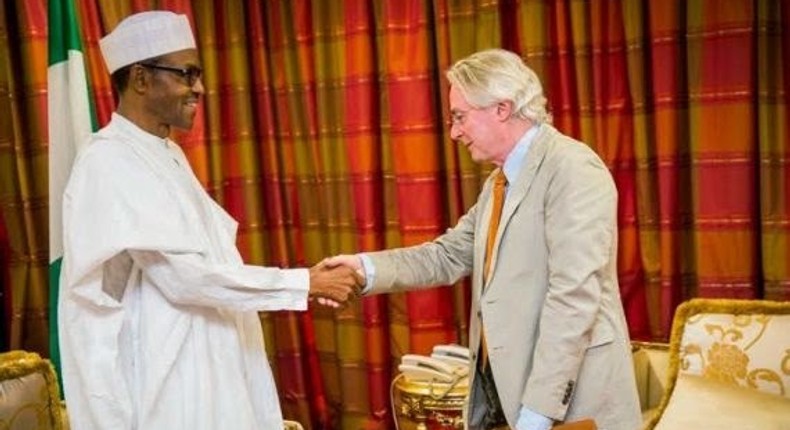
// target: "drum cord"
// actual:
[[400, 376]]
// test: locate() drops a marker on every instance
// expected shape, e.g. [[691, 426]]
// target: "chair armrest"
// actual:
[[651, 367]]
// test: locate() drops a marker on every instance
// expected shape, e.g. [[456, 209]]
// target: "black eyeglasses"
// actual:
[[191, 73]]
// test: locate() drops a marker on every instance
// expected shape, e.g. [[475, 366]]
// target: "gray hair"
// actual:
[[496, 75]]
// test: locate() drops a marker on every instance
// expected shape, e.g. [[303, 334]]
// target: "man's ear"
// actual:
[[504, 110], [139, 79]]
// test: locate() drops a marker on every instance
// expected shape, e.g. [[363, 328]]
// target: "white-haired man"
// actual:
[[547, 331], [158, 314]]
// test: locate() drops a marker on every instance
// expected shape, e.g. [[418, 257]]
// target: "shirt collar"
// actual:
[[138, 134], [518, 154]]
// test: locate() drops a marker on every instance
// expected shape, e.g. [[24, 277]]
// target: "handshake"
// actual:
[[336, 280]]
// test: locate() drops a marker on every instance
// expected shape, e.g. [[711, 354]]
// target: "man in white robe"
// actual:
[[158, 313]]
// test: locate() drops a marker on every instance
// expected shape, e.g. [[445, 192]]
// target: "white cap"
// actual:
[[146, 35]]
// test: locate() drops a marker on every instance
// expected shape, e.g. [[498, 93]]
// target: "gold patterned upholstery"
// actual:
[[292, 425], [29, 398], [729, 366]]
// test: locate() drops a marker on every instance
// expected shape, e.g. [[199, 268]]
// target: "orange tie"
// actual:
[[500, 183]]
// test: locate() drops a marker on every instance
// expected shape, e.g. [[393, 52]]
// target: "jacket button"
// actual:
[[479, 314]]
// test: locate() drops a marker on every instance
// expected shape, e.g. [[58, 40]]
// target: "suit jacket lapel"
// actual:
[[521, 187], [518, 190]]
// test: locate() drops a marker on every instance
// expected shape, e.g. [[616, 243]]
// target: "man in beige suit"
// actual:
[[547, 327]]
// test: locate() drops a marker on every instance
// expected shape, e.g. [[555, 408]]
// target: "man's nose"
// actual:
[[455, 131], [198, 87]]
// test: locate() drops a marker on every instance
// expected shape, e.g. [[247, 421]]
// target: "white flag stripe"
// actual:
[[69, 129]]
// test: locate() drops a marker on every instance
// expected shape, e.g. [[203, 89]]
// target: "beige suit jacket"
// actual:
[[555, 328]]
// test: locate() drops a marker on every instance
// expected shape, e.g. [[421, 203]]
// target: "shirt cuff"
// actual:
[[370, 271], [529, 420]]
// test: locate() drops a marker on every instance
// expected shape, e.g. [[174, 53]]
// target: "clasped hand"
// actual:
[[334, 284]]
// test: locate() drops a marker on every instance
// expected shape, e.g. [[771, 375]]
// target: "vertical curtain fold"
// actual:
[[773, 159], [723, 147], [23, 168], [667, 252], [641, 278]]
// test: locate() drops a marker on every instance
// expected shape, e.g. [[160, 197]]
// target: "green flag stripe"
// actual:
[[64, 30], [54, 344]]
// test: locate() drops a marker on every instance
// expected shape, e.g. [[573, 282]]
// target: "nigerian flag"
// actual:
[[71, 121]]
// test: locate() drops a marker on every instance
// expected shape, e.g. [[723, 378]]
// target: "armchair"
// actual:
[[29, 396], [651, 362], [729, 367]]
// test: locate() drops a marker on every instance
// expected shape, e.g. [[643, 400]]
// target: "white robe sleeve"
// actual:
[[120, 198], [188, 279]]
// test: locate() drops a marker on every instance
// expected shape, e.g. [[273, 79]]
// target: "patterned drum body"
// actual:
[[428, 405]]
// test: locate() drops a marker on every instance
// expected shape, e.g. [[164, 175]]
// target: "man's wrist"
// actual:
[[370, 272]]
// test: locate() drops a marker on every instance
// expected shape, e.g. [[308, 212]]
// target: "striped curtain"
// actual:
[[23, 171], [322, 132], [5, 285]]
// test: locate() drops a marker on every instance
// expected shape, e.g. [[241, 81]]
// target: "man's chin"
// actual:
[[185, 125], [477, 157]]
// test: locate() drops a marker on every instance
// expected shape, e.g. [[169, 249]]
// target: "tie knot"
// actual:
[[500, 180]]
